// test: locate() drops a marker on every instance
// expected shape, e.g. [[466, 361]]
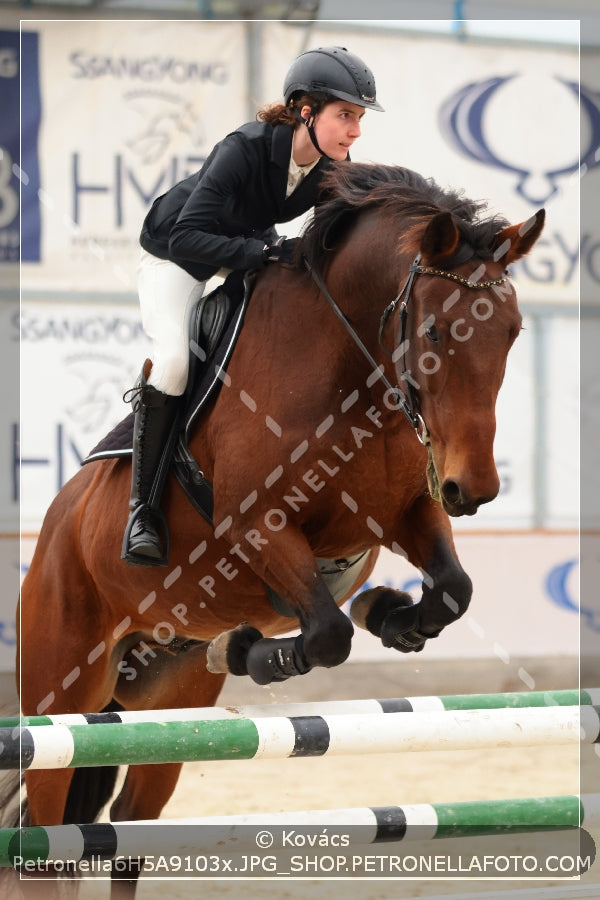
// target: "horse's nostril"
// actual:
[[451, 491]]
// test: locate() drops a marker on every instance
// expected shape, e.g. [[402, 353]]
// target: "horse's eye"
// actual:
[[433, 334]]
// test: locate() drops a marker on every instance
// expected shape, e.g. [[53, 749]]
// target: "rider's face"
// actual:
[[337, 126]]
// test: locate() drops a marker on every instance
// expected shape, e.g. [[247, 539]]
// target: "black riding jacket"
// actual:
[[222, 216]]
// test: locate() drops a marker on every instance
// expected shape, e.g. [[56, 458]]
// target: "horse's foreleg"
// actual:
[[324, 640], [288, 565], [391, 615]]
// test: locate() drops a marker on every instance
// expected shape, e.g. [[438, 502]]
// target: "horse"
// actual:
[[357, 412]]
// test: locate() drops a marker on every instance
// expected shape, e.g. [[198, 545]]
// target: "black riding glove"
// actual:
[[283, 251]]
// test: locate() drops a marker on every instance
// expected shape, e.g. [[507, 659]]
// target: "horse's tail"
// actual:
[[11, 807], [11, 804], [11, 783]]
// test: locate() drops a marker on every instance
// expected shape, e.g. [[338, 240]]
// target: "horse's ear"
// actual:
[[515, 241], [440, 239]]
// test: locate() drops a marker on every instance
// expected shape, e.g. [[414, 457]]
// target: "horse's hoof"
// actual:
[[227, 653], [400, 630], [392, 616], [369, 608]]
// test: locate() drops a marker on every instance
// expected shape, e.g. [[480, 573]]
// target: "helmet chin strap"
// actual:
[[311, 128]]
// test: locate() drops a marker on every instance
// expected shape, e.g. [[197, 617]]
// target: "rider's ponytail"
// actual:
[[280, 114]]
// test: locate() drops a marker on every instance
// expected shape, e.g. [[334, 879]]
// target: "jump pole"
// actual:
[[61, 746], [514, 700], [363, 826]]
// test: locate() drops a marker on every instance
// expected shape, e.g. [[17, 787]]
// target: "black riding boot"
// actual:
[[146, 536]]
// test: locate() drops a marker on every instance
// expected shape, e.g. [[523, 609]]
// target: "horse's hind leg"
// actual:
[[145, 792], [169, 682], [47, 791]]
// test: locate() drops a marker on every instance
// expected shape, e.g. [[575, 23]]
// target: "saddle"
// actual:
[[215, 325]]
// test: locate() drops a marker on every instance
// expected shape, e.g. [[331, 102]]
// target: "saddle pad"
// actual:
[[118, 442]]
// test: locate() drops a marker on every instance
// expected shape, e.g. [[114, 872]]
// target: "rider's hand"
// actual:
[[282, 251]]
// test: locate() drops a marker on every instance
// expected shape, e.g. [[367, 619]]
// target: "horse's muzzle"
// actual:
[[457, 502]]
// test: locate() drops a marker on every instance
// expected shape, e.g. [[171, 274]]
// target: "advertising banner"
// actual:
[[10, 566], [127, 110], [19, 61], [500, 121], [122, 118], [85, 358]]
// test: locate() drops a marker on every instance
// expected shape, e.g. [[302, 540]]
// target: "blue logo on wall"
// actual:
[[20, 113], [558, 589], [461, 120]]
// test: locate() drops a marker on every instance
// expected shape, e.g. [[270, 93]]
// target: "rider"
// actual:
[[223, 217]]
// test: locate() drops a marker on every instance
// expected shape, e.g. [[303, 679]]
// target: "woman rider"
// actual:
[[223, 217]]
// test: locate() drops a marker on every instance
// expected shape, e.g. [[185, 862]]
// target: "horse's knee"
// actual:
[[327, 643], [450, 596]]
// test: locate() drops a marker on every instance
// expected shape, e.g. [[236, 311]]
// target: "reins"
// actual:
[[407, 406], [407, 402]]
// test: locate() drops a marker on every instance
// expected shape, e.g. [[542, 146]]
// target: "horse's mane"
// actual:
[[348, 188]]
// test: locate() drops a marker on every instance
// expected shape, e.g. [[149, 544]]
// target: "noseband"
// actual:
[[407, 402]]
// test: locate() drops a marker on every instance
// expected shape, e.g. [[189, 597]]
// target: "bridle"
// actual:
[[408, 402]]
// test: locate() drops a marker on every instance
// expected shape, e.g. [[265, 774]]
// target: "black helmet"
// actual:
[[333, 71]]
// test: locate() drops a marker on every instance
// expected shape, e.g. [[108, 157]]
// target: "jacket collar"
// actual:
[[281, 151], [281, 146]]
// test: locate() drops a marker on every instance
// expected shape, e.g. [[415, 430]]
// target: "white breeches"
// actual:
[[167, 294]]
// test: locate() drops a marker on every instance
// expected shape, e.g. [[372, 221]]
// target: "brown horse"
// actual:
[[357, 412]]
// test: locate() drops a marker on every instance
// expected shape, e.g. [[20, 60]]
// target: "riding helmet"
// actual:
[[333, 71]]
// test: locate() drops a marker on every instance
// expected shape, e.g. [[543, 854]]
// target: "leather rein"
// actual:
[[408, 402]]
